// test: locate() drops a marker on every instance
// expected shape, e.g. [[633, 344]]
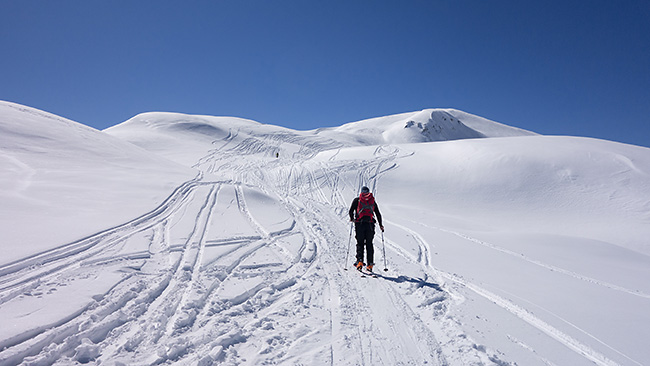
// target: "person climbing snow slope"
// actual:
[[362, 212]]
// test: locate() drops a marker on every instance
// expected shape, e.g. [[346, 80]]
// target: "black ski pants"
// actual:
[[365, 232]]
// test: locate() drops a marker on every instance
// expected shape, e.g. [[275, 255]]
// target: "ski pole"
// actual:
[[384, 248], [345, 266]]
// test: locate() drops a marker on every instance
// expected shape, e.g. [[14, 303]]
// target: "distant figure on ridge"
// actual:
[[362, 213]]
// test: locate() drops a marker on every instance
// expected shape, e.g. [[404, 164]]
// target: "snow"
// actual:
[[199, 240], [61, 181], [424, 126]]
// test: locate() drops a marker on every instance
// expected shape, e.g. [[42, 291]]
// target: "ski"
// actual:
[[366, 273], [360, 272]]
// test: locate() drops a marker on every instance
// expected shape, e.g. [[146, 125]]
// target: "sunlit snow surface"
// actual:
[[197, 240]]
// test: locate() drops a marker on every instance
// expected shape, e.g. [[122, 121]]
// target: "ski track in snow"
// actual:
[[576, 275], [214, 280], [171, 305], [520, 312], [18, 276]]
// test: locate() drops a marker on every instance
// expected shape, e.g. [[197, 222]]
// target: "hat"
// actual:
[[365, 189]]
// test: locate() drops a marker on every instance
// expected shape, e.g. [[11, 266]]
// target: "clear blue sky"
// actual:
[[554, 67]]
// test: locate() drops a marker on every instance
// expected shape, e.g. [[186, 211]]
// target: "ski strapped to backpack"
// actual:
[[366, 206]]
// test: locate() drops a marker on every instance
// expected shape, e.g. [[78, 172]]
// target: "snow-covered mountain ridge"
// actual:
[[424, 126], [157, 131], [198, 240]]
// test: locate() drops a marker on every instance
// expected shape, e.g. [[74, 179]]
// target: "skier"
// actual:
[[362, 213]]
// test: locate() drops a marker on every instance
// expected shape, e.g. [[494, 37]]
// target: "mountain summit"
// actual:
[[428, 125]]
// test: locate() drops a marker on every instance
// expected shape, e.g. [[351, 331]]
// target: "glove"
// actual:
[[382, 228]]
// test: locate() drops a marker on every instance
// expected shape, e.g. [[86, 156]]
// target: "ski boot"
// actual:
[[359, 265]]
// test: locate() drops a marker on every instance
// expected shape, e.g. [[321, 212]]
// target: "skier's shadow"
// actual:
[[418, 281]]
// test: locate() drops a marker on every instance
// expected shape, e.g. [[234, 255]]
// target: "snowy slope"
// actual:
[[189, 139], [558, 185], [552, 230], [502, 247], [66, 180]]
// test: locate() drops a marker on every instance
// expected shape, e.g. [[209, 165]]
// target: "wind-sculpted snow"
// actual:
[[521, 249]]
